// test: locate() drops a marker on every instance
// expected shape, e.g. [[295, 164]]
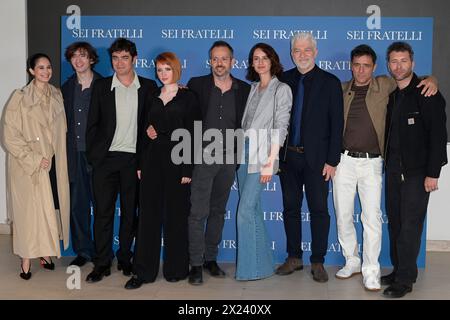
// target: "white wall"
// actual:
[[12, 65], [438, 227]]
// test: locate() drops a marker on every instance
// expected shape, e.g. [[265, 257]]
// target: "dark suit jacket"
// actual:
[[67, 90], [322, 118], [101, 124], [422, 129], [202, 87]]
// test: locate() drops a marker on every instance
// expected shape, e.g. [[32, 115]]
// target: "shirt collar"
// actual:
[[94, 77], [309, 74], [412, 84], [116, 83], [234, 83]]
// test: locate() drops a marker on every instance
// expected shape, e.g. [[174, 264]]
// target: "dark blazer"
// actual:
[[423, 132], [202, 87], [67, 90], [322, 118], [101, 124]]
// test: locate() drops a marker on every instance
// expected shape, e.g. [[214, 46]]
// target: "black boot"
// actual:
[[196, 275]]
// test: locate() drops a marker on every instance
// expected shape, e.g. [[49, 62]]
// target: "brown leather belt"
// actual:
[[296, 149]]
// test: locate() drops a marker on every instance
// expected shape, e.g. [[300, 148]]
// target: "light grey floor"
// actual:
[[433, 283]]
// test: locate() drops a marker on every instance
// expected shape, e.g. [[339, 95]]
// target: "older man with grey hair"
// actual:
[[310, 155]]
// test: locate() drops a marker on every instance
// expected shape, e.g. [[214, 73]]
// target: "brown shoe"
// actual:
[[289, 266], [319, 273]]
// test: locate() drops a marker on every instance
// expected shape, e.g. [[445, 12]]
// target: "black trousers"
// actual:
[[295, 173], [116, 174], [164, 207], [406, 206], [80, 208]]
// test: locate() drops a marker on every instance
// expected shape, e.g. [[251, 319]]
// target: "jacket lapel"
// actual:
[[314, 95], [371, 99], [56, 104], [253, 89], [348, 97], [141, 99], [206, 94], [269, 92], [69, 103], [110, 102], [238, 103]]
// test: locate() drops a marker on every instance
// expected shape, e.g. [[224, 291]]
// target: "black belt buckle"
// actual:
[[296, 149], [357, 154]]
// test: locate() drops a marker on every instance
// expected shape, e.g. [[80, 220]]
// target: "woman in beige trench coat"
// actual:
[[34, 135]]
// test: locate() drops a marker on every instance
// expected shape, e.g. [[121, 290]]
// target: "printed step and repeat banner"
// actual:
[[190, 37]]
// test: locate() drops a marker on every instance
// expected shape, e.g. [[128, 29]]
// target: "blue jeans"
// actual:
[[255, 259]]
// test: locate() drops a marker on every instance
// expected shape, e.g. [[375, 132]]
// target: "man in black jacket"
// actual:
[[77, 96], [415, 151], [114, 125], [222, 100], [311, 153]]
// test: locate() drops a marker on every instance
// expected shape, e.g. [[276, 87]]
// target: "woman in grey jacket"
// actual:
[[265, 122]]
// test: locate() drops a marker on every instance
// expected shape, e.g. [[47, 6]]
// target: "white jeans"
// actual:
[[364, 175]]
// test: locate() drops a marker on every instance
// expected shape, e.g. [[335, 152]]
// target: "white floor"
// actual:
[[433, 283]]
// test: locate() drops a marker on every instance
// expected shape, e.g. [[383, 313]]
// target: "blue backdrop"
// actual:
[[190, 37]]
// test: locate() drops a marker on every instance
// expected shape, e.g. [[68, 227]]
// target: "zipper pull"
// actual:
[[403, 177]]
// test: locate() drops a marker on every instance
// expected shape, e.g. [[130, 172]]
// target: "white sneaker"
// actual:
[[372, 282], [348, 271]]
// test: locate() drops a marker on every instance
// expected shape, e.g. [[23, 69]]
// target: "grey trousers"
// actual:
[[210, 189]]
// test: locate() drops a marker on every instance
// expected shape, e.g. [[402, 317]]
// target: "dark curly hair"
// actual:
[[82, 46]]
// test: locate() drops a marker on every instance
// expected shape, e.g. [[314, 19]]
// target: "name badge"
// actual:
[[411, 121]]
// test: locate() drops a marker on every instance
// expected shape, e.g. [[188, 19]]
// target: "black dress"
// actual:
[[164, 201]]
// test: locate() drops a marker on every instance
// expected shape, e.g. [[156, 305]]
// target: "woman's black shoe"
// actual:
[[25, 275], [175, 279], [47, 265]]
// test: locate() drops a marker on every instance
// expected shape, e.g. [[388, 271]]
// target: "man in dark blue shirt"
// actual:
[[77, 96]]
